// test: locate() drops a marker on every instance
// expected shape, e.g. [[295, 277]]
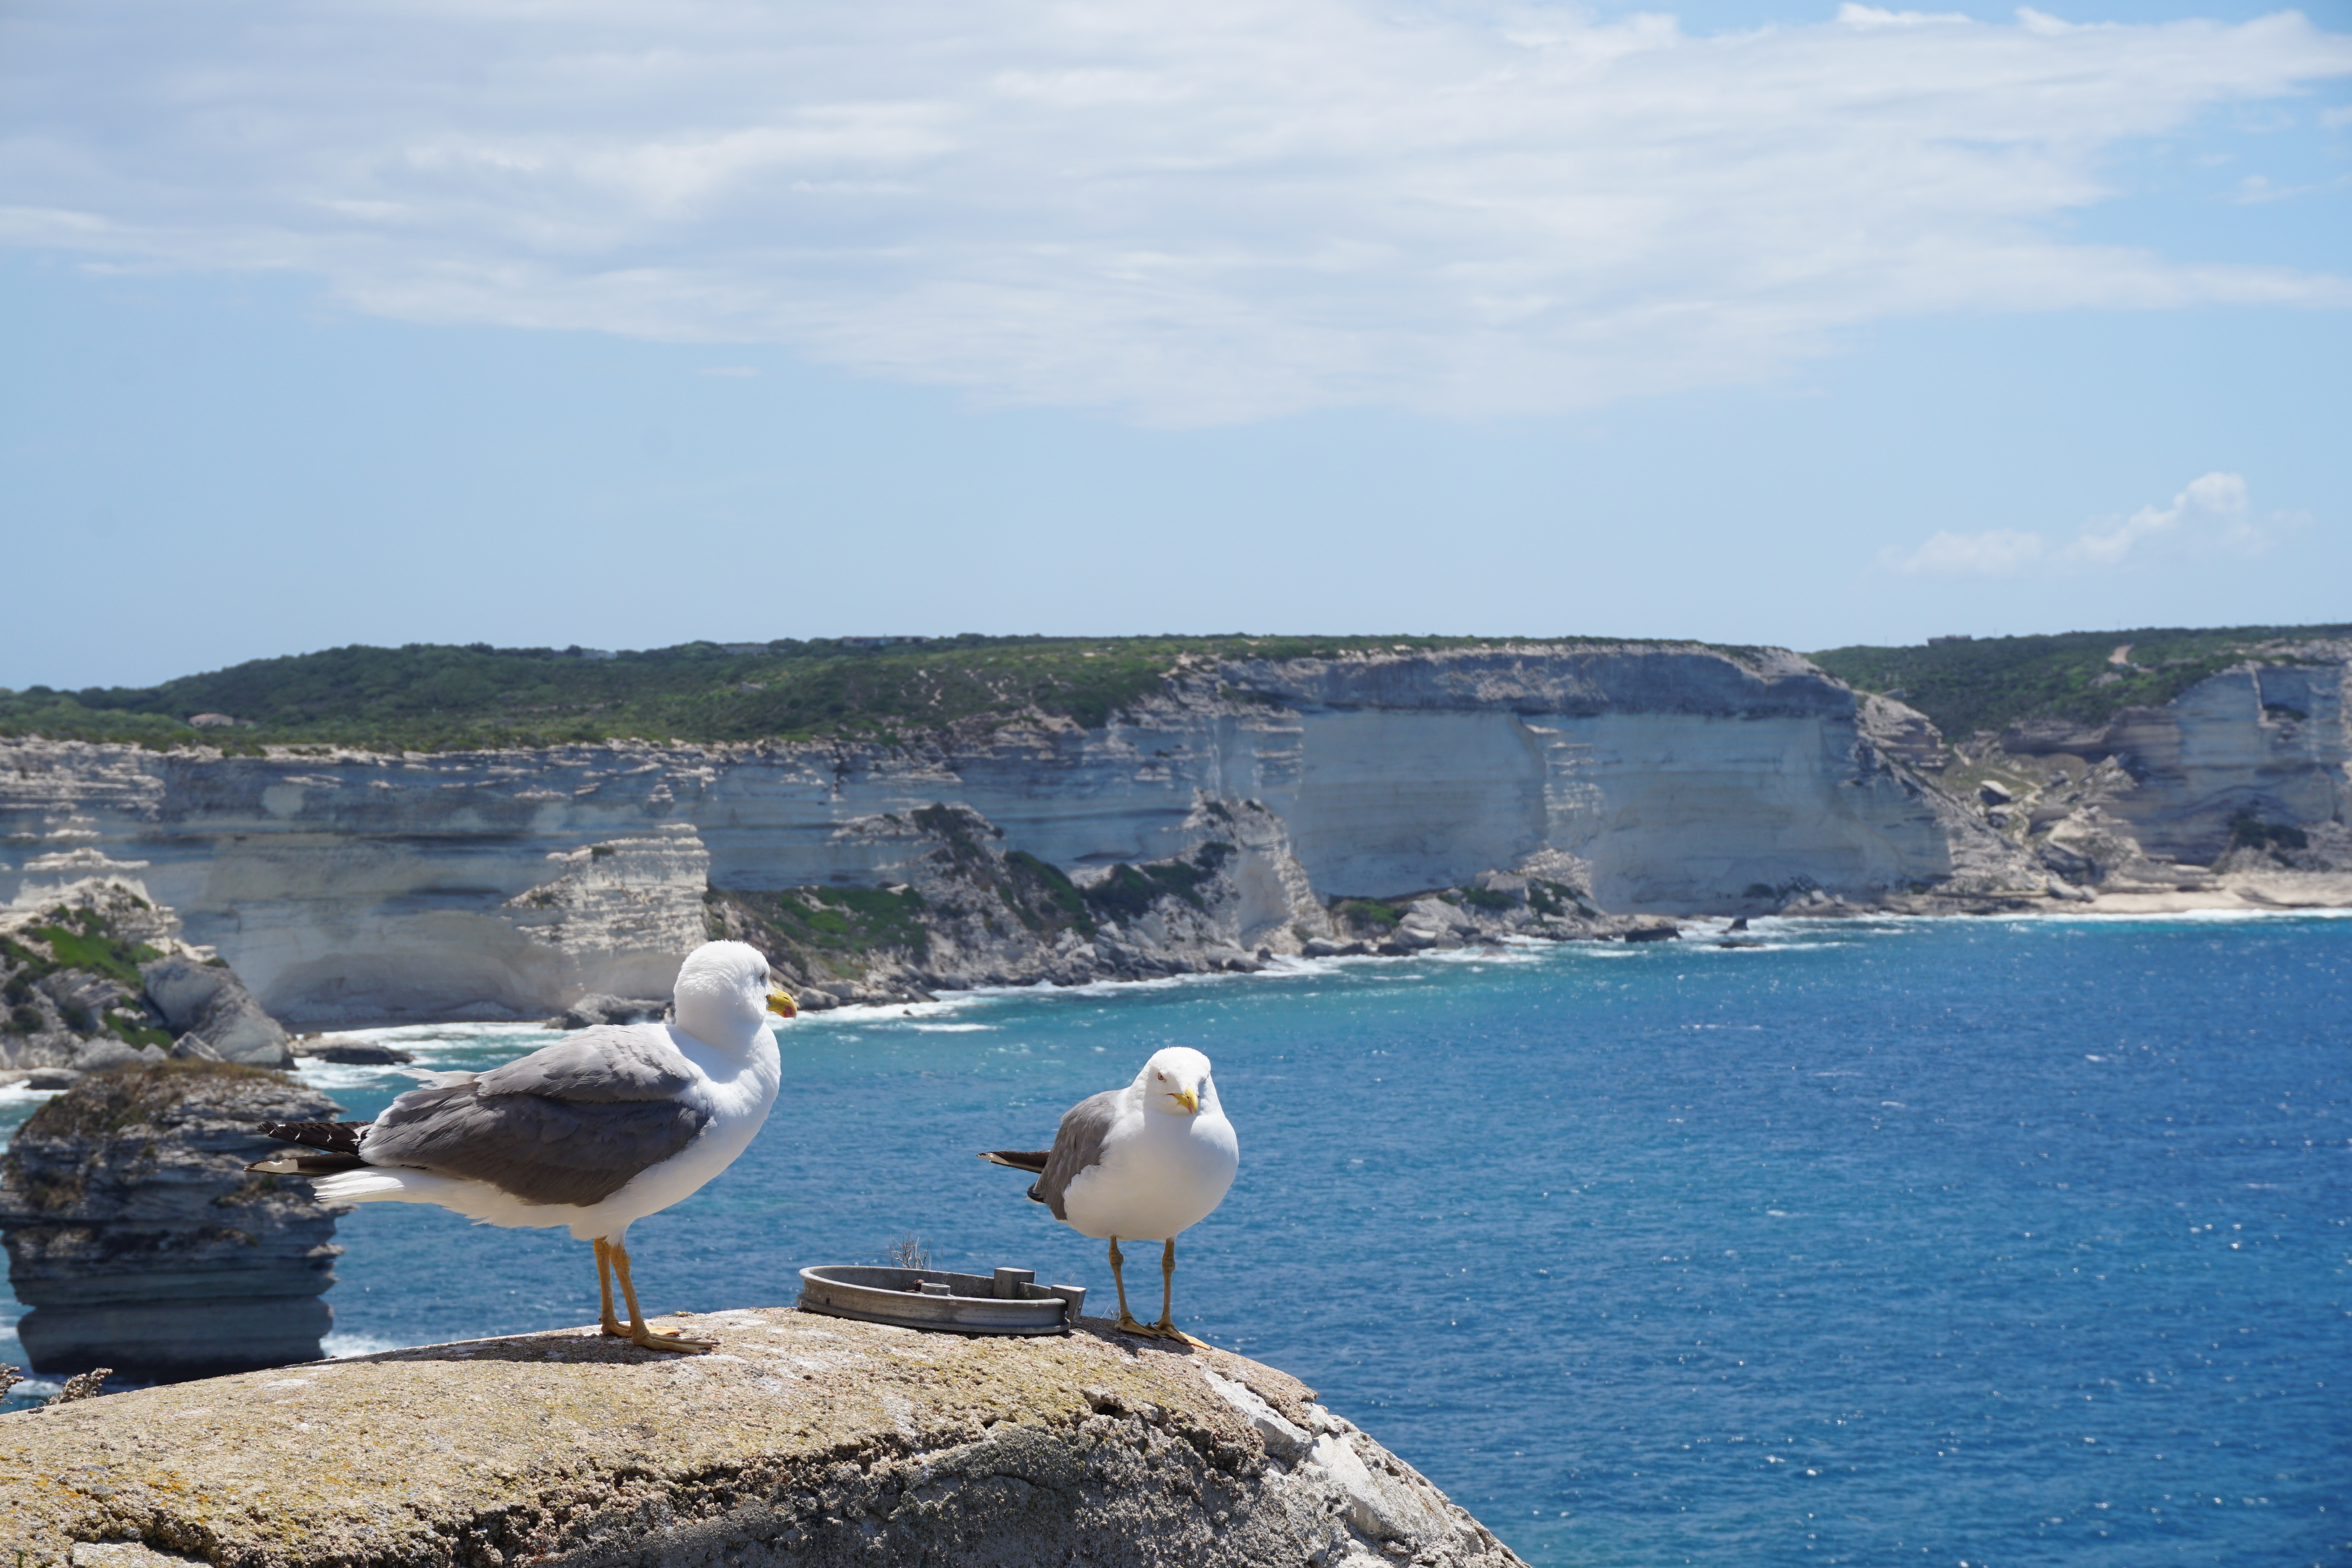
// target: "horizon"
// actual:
[[875, 642]]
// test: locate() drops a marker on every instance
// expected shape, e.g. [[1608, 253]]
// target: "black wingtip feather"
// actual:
[[1030, 1160], [333, 1138]]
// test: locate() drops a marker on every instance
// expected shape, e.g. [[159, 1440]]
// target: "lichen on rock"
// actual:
[[806, 1440]]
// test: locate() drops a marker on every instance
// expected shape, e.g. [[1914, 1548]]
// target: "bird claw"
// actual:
[[1162, 1330], [652, 1341]]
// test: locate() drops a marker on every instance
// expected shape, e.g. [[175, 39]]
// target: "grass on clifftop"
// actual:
[[1990, 683], [433, 697]]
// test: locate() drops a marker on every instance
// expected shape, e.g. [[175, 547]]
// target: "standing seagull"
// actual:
[[1143, 1162], [603, 1127]]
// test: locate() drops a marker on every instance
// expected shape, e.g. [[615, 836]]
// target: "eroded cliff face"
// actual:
[[350, 887], [2241, 788]]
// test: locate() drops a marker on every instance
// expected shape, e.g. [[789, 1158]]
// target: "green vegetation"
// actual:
[[1990, 683], [1546, 897], [1367, 914], [827, 930], [2248, 831], [1130, 890], [79, 939], [432, 697]]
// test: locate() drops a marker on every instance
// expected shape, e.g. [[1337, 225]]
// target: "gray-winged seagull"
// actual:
[[595, 1132], [1139, 1163]]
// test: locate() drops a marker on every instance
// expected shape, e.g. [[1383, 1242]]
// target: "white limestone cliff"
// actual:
[[352, 887]]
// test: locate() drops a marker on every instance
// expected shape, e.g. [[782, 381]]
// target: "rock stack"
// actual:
[[139, 1242]]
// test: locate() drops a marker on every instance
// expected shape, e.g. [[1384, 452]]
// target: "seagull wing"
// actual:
[[571, 1124], [1077, 1146]]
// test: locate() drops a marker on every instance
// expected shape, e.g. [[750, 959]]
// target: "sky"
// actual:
[[541, 322]]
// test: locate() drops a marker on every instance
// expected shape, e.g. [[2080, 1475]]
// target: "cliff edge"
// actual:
[[804, 1439]]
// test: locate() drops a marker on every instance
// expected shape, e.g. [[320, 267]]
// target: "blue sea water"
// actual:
[[1983, 1242]]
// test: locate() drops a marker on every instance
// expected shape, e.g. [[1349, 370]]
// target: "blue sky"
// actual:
[[622, 324]]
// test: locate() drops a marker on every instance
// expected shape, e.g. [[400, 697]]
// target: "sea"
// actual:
[[1977, 1242]]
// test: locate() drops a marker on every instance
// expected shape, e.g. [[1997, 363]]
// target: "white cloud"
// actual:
[[1194, 210], [1997, 552], [2214, 513]]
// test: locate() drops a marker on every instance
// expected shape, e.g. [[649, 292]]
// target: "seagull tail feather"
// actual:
[[1030, 1160], [307, 1163], [323, 1148]]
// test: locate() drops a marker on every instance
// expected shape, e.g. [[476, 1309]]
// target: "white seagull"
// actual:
[[1141, 1164], [595, 1132]]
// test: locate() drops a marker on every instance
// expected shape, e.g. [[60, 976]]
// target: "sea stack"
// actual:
[[139, 1242]]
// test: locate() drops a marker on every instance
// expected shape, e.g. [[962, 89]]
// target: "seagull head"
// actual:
[[1176, 1080], [726, 987]]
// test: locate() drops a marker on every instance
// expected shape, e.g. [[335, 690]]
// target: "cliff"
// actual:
[[351, 886], [139, 1242], [804, 1439], [2238, 790]]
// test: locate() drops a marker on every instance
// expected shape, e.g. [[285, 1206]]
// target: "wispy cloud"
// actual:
[[1194, 210], [2213, 513]]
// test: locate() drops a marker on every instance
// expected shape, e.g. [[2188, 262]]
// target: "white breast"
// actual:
[[1159, 1174]]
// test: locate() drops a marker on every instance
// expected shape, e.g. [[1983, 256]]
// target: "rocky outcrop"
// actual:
[[212, 1012], [95, 976], [139, 1242], [806, 1440], [965, 912]]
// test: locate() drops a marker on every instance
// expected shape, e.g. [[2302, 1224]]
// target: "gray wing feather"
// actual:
[[605, 1065], [1077, 1145], [571, 1124]]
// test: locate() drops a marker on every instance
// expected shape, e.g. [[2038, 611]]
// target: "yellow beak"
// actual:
[[781, 1003], [1190, 1101]]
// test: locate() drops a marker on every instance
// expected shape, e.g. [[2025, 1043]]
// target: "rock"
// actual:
[[1993, 794], [98, 1055], [815, 1442], [52, 1078], [361, 1053], [137, 1238], [598, 1007], [209, 1001]]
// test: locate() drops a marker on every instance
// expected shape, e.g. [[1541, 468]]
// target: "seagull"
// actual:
[[597, 1131], [1143, 1163]]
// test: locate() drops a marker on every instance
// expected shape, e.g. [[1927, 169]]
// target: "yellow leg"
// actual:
[[638, 1333], [604, 1289], [1166, 1327], [1127, 1323]]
